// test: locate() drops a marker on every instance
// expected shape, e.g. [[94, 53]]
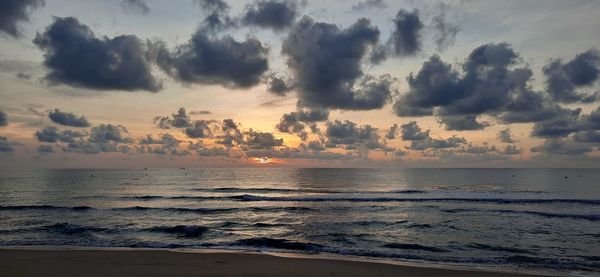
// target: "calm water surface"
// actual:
[[517, 218]]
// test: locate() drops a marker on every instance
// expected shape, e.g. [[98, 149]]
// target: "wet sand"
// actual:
[[86, 262]]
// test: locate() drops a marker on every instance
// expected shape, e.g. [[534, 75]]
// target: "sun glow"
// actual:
[[263, 160]]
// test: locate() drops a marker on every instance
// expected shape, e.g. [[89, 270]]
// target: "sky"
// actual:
[[265, 83]]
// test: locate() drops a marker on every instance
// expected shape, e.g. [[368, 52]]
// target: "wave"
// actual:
[[249, 197], [180, 230], [589, 217], [263, 242], [413, 246], [299, 190], [44, 207], [495, 248]]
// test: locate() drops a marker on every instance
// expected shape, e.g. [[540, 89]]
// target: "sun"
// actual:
[[263, 160]]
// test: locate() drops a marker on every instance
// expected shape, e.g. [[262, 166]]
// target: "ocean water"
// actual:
[[539, 219]]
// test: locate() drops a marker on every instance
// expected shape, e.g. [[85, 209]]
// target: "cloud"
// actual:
[[421, 140], [212, 60], [429, 143], [52, 134], [412, 131], [212, 152], [391, 133], [203, 112], [135, 6], [510, 150], [165, 144], [275, 14], [87, 147], [351, 136], [491, 84], [563, 80], [587, 136], [562, 124], [295, 122], [369, 4], [12, 12], [261, 140], [45, 149], [444, 31], [3, 119], [5, 145], [180, 119], [326, 63], [216, 15], [199, 129], [279, 86], [118, 63], [559, 146], [506, 136], [462, 122], [105, 133], [23, 76], [68, 119], [406, 37], [165, 139], [315, 145]]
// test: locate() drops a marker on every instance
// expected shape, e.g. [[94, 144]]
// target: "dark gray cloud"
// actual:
[[135, 6], [315, 145], [52, 134], [12, 12], [563, 80], [559, 146], [429, 143], [180, 119], [5, 145], [231, 133], [3, 119], [491, 84], [462, 122], [165, 144], [412, 131], [105, 133], [68, 119], [326, 63], [45, 149], [203, 112], [510, 150], [587, 136], [279, 86], [216, 14], [295, 122], [369, 4], [392, 132], [406, 37], [261, 140], [206, 59], [562, 124], [118, 63], [165, 139], [351, 136], [87, 147], [444, 31], [421, 140], [199, 129], [506, 136], [275, 14]]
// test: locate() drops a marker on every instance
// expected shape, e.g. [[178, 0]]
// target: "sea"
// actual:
[[544, 220]]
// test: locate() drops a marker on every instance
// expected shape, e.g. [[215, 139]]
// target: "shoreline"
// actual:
[[106, 261]]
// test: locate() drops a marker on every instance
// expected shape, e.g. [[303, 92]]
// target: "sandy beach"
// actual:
[[86, 262]]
